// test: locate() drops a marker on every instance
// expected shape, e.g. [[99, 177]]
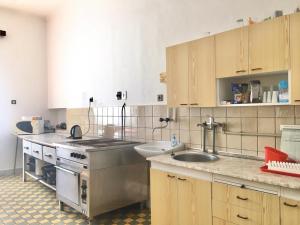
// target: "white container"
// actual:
[[269, 97], [275, 97]]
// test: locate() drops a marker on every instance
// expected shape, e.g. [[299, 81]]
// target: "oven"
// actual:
[[71, 184]]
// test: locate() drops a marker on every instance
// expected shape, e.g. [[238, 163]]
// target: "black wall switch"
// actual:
[[2, 33]]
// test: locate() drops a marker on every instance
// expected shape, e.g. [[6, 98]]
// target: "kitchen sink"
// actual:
[[196, 157], [157, 148]]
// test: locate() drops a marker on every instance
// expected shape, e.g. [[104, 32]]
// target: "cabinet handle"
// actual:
[[289, 205], [241, 217], [183, 104], [48, 155], [194, 104], [297, 100], [240, 198], [27, 148], [182, 179], [37, 152], [171, 176], [240, 71], [255, 69]]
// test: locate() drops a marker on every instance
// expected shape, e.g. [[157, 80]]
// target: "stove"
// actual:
[[100, 175]]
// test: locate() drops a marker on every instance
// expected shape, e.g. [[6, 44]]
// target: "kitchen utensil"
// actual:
[[269, 97], [76, 132], [265, 97], [275, 97], [286, 167]]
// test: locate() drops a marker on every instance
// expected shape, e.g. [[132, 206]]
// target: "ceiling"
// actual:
[[37, 7]]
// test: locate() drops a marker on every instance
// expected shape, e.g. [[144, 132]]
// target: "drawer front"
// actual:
[[37, 151], [220, 191], [27, 147], [244, 216], [220, 210], [245, 198], [49, 155]]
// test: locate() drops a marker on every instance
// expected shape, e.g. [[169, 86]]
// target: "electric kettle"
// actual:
[[76, 132]]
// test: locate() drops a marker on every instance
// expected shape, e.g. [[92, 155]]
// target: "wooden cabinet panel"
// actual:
[[220, 191], [163, 198], [245, 198], [177, 72], [202, 79], [271, 209], [295, 56], [290, 212], [203, 204], [232, 53], [178, 200], [243, 216], [220, 210], [269, 45]]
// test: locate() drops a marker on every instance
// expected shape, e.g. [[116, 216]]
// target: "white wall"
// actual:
[[99, 46], [23, 76]]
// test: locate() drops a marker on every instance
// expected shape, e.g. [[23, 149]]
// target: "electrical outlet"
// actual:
[[124, 95], [160, 98], [13, 102]]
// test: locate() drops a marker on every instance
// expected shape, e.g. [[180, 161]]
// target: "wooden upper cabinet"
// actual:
[[232, 53], [295, 56], [177, 72], [269, 46], [202, 79]]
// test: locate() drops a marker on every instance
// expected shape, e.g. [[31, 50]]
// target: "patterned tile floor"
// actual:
[[32, 203]]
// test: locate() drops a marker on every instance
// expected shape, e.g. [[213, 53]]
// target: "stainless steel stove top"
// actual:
[[103, 142]]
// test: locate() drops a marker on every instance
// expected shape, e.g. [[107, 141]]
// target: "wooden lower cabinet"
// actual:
[[290, 212], [179, 200], [241, 206]]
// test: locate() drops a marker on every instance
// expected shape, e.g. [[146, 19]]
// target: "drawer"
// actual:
[[49, 155], [244, 216], [245, 198], [27, 147], [220, 191], [37, 151], [220, 209]]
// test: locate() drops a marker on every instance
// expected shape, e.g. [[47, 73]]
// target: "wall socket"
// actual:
[[121, 95], [13, 102], [160, 98]]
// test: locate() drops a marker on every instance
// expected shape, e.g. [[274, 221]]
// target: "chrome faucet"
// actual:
[[210, 125]]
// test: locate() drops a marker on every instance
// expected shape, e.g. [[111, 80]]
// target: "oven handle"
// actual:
[[65, 170]]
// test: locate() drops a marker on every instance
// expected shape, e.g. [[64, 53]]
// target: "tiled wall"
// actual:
[[260, 126]]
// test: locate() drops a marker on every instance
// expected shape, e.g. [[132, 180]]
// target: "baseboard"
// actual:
[[10, 172]]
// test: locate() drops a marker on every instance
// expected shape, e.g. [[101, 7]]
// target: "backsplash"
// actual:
[[248, 129]]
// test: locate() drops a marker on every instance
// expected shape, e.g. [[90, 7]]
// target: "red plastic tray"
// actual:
[[265, 169]]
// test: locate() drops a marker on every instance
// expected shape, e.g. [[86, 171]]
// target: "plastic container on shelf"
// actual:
[[283, 91], [272, 154]]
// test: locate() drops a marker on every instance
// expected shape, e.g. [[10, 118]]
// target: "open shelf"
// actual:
[[40, 179], [267, 80]]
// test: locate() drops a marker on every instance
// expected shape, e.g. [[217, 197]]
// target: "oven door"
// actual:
[[67, 183]]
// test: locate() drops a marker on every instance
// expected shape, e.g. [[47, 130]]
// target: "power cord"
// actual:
[[90, 103]]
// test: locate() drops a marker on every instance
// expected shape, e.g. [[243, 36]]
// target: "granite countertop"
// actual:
[[49, 139], [246, 169]]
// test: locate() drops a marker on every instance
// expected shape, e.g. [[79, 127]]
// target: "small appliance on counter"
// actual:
[[30, 125], [76, 132]]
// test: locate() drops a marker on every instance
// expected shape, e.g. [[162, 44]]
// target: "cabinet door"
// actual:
[[163, 198], [194, 201], [290, 212], [295, 56], [271, 209], [232, 53], [202, 80], [269, 45], [177, 72]]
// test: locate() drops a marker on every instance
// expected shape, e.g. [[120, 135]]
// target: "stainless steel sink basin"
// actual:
[[195, 157]]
